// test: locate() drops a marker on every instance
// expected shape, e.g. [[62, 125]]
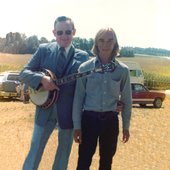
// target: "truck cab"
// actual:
[[136, 74]]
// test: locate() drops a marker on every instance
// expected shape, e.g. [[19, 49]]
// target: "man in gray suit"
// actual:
[[47, 57]]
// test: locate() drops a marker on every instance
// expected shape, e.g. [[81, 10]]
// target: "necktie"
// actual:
[[61, 62]]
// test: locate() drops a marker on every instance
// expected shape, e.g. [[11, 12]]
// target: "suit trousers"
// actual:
[[38, 143], [98, 126]]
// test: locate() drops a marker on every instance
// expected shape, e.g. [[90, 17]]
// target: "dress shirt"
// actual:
[[100, 92], [66, 50]]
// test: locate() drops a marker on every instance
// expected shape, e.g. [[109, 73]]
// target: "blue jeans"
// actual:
[[38, 143], [98, 126]]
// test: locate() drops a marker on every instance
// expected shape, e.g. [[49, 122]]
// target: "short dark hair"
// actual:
[[63, 18]]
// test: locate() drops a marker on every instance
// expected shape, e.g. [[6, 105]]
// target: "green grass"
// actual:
[[10, 67]]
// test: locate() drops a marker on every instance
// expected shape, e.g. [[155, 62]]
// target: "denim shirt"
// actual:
[[100, 91]]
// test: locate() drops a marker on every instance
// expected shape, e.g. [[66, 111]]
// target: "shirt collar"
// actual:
[[66, 49], [98, 63], [97, 60]]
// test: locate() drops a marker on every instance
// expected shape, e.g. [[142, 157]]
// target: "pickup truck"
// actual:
[[9, 80]]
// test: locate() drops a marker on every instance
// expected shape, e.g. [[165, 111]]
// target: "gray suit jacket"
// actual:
[[46, 57]]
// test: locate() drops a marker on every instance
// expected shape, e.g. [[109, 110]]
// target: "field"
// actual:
[[158, 65], [13, 61], [147, 149]]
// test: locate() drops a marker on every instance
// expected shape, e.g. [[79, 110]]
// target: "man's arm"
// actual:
[[126, 98], [78, 102]]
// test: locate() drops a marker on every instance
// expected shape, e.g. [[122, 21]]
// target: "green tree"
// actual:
[[32, 44], [43, 40], [127, 52]]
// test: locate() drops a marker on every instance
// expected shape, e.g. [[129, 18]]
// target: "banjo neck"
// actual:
[[75, 76], [103, 68]]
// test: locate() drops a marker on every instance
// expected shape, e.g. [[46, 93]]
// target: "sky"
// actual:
[[137, 23]]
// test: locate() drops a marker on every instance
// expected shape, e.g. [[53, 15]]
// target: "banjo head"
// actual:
[[42, 97], [38, 97]]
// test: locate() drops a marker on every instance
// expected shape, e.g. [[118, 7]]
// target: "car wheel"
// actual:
[[157, 103]]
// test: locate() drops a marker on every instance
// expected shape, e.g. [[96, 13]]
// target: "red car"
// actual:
[[142, 96]]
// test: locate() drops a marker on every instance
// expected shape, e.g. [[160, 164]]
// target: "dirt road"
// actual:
[[148, 148]]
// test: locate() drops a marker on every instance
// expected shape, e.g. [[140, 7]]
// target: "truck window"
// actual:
[[136, 73], [139, 73], [13, 77], [133, 73]]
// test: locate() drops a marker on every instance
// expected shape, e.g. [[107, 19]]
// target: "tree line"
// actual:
[[17, 43]]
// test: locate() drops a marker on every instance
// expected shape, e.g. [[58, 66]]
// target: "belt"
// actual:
[[101, 115]]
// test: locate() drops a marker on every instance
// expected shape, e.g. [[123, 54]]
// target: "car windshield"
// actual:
[[13, 77]]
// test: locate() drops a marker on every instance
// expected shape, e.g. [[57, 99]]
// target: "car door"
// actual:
[[140, 94]]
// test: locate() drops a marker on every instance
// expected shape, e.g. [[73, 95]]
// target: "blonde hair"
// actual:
[[99, 34]]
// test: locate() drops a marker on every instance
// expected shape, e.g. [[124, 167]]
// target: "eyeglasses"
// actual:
[[67, 32]]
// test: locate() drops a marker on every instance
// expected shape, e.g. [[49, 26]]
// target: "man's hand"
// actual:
[[126, 135], [119, 106], [77, 136], [48, 83]]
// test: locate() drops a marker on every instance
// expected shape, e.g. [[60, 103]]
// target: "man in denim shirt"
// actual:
[[95, 115]]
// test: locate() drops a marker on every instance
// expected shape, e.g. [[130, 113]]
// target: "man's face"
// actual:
[[106, 44], [64, 33]]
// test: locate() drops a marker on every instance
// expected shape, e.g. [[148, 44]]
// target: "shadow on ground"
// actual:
[[9, 99]]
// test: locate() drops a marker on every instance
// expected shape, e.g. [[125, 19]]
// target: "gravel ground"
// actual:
[[147, 149]]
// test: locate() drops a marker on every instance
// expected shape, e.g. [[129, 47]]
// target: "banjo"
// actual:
[[45, 98]]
